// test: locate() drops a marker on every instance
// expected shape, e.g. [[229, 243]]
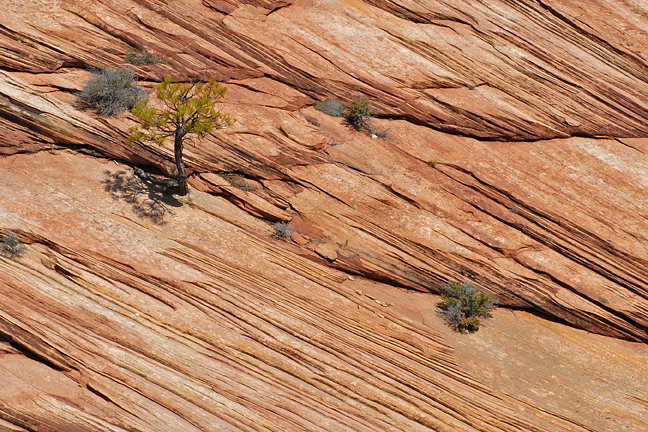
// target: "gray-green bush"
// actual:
[[143, 58], [330, 107], [282, 230], [10, 246], [463, 306], [112, 91]]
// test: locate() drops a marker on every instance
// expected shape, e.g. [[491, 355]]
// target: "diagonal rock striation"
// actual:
[[198, 324], [514, 157]]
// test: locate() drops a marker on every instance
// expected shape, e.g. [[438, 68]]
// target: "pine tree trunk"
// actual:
[[180, 166]]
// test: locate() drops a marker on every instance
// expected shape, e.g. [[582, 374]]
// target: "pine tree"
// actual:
[[190, 109]]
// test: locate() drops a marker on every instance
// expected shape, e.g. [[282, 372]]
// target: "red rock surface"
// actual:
[[206, 322], [514, 157]]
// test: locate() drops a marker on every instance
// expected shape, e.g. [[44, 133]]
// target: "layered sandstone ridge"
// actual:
[[112, 322], [534, 222], [515, 157], [521, 70]]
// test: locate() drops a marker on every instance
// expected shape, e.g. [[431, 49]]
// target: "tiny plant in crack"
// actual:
[[239, 182], [358, 113], [139, 58], [11, 247], [282, 230], [463, 306], [359, 116]]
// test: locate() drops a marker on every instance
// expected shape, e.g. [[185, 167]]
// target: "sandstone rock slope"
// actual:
[[515, 157]]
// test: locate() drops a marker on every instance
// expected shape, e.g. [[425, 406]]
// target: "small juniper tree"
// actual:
[[190, 109]]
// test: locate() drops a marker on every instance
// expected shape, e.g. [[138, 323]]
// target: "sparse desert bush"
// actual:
[[239, 182], [138, 58], [112, 91], [282, 230], [358, 114], [10, 246], [330, 107], [463, 306]]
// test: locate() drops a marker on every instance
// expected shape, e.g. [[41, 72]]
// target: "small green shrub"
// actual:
[[358, 114], [111, 91], [432, 164], [138, 58], [10, 246], [463, 306], [282, 230], [330, 107]]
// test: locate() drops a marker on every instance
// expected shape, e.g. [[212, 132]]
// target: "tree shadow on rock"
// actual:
[[150, 195]]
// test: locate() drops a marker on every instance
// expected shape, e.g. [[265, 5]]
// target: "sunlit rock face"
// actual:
[[513, 157]]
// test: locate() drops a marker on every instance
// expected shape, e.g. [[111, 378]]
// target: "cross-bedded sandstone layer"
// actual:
[[113, 322], [515, 157]]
